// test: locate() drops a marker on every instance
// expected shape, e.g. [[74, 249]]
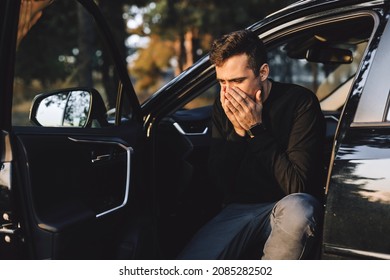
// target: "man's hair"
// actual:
[[236, 43]]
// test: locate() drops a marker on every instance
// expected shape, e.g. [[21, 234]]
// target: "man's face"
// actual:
[[235, 72]]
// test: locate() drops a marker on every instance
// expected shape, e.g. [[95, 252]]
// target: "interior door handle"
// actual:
[[128, 151], [101, 158], [181, 130]]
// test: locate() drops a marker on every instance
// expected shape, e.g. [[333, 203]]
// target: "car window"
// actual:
[[323, 57], [207, 98], [324, 72], [330, 82], [53, 59], [373, 106]]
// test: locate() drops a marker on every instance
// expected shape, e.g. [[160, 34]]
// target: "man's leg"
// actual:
[[293, 223], [235, 230]]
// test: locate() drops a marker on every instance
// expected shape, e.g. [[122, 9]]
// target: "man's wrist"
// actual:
[[256, 130]]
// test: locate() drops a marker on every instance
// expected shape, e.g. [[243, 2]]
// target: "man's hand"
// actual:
[[229, 113], [240, 109], [30, 12]]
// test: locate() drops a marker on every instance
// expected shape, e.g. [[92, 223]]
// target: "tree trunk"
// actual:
[[86, 41]]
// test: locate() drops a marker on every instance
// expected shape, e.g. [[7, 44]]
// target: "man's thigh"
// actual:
[[232, 233]]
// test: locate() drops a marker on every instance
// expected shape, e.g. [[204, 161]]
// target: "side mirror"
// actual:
[[329, 55], [76, 107]]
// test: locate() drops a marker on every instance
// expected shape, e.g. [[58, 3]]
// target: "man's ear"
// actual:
[[264, 72]]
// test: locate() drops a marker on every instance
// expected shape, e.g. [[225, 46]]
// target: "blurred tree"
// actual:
[[152, 66], [86, 40], [37, 56], [183, 31], [191, 25], [113, 11], [72, 29]]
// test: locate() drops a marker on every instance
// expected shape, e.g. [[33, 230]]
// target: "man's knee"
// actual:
[[297, 212]]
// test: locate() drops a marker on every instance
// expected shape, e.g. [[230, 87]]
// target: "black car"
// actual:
[[89, 172]]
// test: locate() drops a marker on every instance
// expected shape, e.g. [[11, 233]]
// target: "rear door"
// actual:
[[358, 192], [74, 185]]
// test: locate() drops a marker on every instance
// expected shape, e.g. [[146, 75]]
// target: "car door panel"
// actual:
[[358, 187], [359, 181], [74, 181]]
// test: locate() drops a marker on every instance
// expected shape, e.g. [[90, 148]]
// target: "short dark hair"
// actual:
[[239, 42]]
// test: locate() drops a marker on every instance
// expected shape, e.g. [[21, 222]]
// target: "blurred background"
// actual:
[[157, 40]]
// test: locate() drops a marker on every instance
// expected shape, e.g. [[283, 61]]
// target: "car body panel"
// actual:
[[358, 204]]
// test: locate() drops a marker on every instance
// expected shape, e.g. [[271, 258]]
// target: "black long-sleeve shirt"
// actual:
[[285, 159]]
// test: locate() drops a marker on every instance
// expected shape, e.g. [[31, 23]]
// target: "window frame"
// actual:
[[362, 116], [374, 110]]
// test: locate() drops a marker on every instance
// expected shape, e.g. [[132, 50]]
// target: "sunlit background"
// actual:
[[157, 40]]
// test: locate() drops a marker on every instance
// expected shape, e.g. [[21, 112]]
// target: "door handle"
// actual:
[[102, 158]]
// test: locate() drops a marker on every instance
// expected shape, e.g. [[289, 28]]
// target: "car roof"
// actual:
[[302, 4], [309, 7]]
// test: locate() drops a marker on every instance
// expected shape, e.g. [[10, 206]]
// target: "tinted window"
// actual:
[[325, 72], [52, 58]]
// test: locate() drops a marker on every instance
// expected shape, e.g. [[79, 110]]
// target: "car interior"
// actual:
[[323, 57]]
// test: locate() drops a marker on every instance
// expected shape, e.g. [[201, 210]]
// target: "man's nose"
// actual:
[[228, 86]]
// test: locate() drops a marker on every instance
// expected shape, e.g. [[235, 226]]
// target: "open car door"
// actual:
[[72, 146]]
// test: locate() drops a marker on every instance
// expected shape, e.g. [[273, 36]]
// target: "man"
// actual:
[[266, 157]]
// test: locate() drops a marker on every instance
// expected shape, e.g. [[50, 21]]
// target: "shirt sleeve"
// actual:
[[297, 168]]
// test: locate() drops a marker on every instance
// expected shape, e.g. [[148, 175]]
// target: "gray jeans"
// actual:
[[275, 231]]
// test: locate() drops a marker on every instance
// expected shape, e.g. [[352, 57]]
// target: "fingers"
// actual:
[[237, 96], [230, 112], [258, 97], [232, 107], [234, 120], [241, 110], [239, 101], [226, 102]]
